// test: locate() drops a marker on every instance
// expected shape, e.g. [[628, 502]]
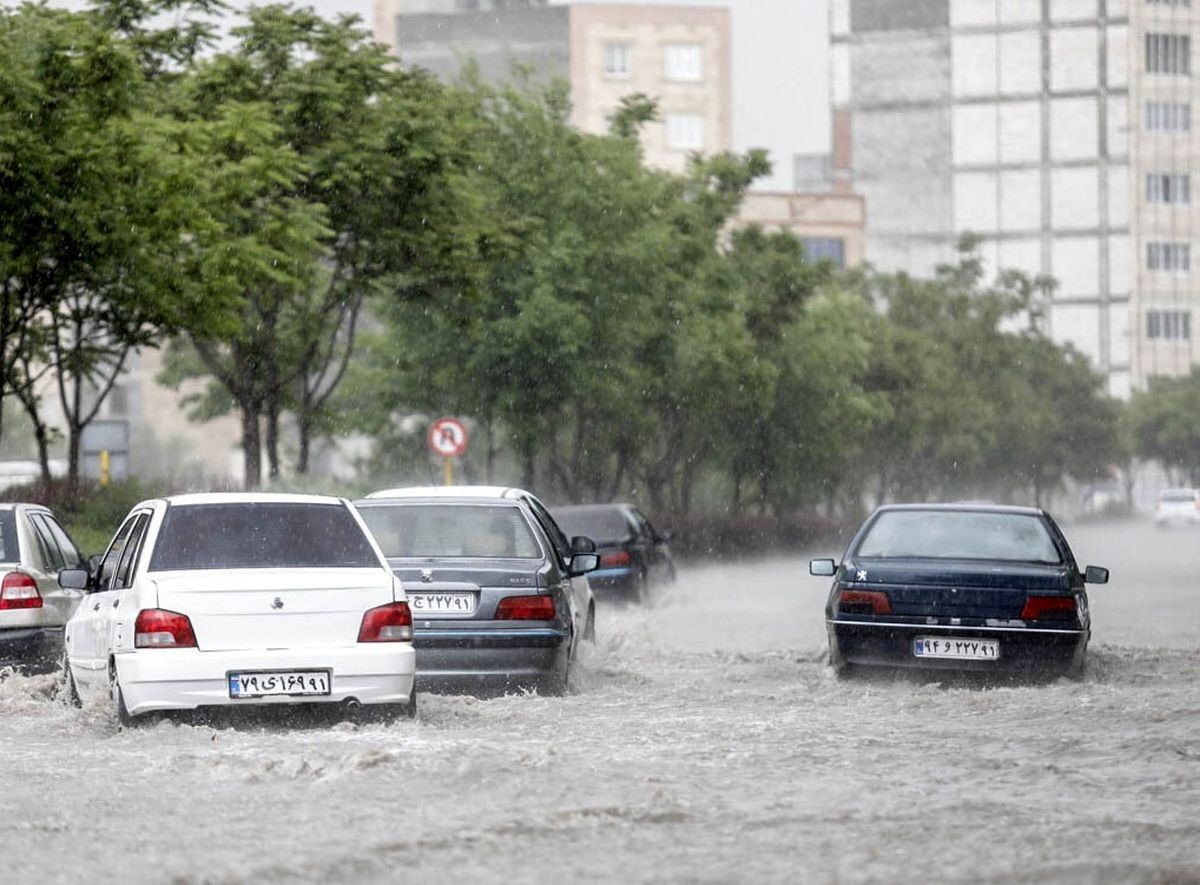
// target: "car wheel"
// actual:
[[124, 718], [70, 692], [555, 685]]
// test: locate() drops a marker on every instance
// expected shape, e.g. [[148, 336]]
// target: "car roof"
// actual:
[[459, 492], [251, 498], [1184, 490], [591, 508], [966, 508], [24, 505]]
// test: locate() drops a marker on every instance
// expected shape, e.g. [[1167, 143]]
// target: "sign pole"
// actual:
[[447, 439]]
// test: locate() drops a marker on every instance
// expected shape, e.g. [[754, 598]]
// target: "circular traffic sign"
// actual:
[[447, 437]]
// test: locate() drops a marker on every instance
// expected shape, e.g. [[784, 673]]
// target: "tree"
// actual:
[[1165, 419], [99, 214]]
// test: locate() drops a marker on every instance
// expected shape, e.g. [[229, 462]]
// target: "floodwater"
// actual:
[[705, 741]]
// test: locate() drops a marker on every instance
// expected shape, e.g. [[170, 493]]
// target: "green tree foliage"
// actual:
[[97, 215], [1165, 423]]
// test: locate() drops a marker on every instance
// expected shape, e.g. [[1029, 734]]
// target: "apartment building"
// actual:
[[678, 54], [1058, 130]]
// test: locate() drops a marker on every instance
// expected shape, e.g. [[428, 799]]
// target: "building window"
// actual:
[[1168, 54], [1169, 325], [685, 132], [825, 249], [1163, 187], [1167, 116], [616, 59], [683, 61], [1168, 256]]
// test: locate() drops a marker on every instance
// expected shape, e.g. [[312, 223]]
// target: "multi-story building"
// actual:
[[1058, 130], [829, 224], [680, 55]]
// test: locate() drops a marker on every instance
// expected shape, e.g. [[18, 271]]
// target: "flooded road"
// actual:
[[705, 741]]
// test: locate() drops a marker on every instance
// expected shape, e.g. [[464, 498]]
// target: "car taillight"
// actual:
[[387, 623], [19, 590], [159, 628], [1052, 607], [864, 602], [525, 608], [620, 557]]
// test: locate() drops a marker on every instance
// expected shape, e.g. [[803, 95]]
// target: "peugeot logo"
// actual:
[[277, 604], [426, 576]]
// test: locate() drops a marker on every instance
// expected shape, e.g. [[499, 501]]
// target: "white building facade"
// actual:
[[1058, 130]]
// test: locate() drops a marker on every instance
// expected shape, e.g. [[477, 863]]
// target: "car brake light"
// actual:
[[387, 623], [620, 557], [525, 608], [864, 602], [158, 628], [19, 590], [1053, 607]]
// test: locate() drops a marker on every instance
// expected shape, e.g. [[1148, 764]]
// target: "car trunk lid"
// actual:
[[274, 608]]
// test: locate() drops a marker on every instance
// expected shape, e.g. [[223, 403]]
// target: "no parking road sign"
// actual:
[[447, 437]]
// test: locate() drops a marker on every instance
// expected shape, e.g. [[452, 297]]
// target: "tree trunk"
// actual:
[[251, 447], [41, 433], [273, 441], [304, 429], [489, 454]]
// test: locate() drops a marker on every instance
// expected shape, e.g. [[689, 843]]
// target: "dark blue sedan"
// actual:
[[961, 587]]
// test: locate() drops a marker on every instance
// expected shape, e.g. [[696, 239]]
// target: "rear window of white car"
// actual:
[[931, 534], [450, 531], [1178, 496], [9, 549], [260, 535]]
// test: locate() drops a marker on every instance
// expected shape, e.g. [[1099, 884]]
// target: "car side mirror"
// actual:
[[582, 563], [822, 568], [1094, 574], [74, 579], [582, 544]]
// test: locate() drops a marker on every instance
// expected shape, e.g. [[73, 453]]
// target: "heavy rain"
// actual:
[[644, 441]]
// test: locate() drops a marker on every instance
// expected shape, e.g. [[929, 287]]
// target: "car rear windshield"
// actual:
[[601, 524], [1180, 496], [9, 549], [930, 534], [260, 535], [451, 530]]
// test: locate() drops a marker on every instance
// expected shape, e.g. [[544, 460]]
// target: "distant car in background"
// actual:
[[499, 594], [634, 556], [990, 589], [1177, 507], [34, 548]]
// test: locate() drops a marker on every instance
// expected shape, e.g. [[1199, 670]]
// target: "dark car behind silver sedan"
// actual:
[[497, 591], [634, 555], [963, 587]]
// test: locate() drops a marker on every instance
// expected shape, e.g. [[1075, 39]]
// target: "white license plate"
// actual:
[[442, 603], [956, 647], [290, 682]]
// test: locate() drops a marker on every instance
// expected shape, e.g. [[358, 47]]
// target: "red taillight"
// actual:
[[158, 628], [864, 602], [620, 557], [387, 623], [1056, 607], [525, 608], [19, 590]]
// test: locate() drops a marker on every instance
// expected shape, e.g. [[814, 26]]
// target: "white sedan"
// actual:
[[235, 600]]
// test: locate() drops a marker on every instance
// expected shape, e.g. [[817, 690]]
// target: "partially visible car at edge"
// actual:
[[983, 588], [34, 548], [241, 600], [634, 556], [499, 593], [1177, 507]]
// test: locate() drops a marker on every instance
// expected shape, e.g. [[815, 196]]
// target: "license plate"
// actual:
[[956, 647], [442, 603], [270, 684]]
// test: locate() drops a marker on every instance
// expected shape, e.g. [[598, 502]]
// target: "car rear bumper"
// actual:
[[447, 657], [30, 647], [1022, 649], [186, 679]]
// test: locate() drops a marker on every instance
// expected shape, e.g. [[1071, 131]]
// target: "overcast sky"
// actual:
[[780, 74]]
